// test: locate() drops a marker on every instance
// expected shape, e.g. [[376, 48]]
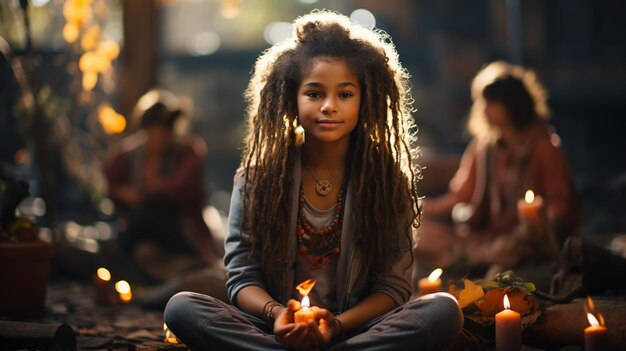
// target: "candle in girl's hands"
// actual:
[[508, 329], [595, 334], [529, 210], [305, 313], [432, 284]]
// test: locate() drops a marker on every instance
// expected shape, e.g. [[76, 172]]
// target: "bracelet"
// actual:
[[267, 310]]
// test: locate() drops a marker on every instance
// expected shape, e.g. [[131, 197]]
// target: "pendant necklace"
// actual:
[[323, 187]]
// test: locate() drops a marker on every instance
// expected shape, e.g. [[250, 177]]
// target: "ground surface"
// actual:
[[100, 327]]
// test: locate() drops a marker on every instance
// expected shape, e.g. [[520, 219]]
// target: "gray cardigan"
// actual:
[[354, 279]]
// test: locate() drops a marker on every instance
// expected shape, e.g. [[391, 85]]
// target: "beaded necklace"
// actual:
[[322, 246]]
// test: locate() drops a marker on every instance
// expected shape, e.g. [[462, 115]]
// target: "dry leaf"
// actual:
[[470, 294]]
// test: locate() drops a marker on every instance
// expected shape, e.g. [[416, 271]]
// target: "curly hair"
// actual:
[[518, 88], [383, 174]]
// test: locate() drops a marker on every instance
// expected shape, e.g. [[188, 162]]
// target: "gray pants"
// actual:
[[203, 323]]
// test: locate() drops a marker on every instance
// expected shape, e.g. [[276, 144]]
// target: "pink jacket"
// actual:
[[494, 178]]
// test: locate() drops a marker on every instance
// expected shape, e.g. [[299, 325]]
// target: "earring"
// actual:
[[298, 131]]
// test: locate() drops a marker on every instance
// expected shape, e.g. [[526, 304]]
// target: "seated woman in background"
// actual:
[[483, 221], [156, 180]]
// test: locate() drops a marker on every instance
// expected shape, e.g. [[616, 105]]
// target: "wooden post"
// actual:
[[140, 54]]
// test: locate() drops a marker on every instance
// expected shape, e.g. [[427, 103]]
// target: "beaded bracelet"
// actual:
[[267, 310]]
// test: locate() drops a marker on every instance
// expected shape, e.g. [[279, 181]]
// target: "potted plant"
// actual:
[[24, 259]]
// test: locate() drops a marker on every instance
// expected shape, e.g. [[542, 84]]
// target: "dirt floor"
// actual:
[[103, 327]]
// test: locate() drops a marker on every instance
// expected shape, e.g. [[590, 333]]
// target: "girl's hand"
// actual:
[[284, 322], [327, 329], [291, 335], [315, 334]]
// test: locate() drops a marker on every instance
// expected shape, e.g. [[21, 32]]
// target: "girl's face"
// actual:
[[329, 97]]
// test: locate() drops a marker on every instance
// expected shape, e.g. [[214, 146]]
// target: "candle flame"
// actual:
[[122, 287], [529, 197], [103, 274], [590, 306], [592, 319], [305, 302], [305, 287], [170, 338], [507, 304], [435, 275], [600, 319], [590, 310]]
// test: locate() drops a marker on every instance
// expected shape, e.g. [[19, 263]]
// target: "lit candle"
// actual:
[[304, 314], [170, 338], [123, 289], [102, 286], [529, 210], [508, 329], [595, 335], [432, 284]]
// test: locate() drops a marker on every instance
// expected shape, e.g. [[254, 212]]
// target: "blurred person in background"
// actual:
[[156, 180], [480, 224]]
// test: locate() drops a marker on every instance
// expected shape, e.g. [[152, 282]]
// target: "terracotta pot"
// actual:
[[24, 273]]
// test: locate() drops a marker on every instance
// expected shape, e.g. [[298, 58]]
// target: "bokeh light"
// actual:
[[230, 9], [276, 32], [364, 18], [204, 43], [39, 3]]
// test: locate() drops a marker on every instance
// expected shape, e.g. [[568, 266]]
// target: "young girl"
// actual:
[[326, 191]]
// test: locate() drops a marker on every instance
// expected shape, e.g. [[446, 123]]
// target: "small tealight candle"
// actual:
[[304, 314], [529, 210], [595, 335], [508, 328], [432, 284], [102, 286], [123, 289]]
